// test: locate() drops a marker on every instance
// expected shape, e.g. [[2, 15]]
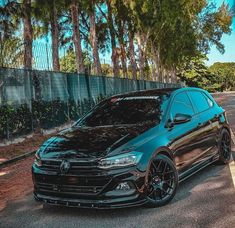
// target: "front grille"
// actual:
[[68, 189], [75, 166], [81, 178]]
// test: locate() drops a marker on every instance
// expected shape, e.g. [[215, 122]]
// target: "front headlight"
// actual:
[[121, 160], [37, 161]]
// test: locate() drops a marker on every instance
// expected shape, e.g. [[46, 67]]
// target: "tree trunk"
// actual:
[[166, 76], [122, 47], [173, 75], [55, 38], [94, 45], [123, 60], [141, 57], [28, 35], [156, 61], [76, 36], [142, 40], [113, 41], [132, 57], [161, 73]]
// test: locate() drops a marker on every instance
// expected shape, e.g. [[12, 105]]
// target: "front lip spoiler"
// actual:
[[92, 204]]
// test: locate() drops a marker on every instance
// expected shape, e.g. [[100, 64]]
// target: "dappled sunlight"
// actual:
[[3, 173], [232, 171], [2, 160]]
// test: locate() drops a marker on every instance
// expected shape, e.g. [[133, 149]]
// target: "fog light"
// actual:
[[123, 186]]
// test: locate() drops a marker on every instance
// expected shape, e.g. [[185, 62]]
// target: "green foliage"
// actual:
[[218, 77], [225, 74], [20, 120], [68, 62], [106, 69], [14, 121], [170, 31], [212, 24], [11, 52]]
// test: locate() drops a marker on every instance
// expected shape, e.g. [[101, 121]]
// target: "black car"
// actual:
[[132, 149]]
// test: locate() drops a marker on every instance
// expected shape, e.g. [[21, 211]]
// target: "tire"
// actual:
[[224, 147], [162, 181]]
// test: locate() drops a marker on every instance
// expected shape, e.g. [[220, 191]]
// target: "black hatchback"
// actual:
[[132, 149]]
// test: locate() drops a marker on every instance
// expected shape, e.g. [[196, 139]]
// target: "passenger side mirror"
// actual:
[[181, 118]]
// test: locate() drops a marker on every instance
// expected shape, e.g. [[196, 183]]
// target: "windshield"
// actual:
[[124, 110]]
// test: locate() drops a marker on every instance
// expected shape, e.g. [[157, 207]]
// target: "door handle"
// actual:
[[199, 124]]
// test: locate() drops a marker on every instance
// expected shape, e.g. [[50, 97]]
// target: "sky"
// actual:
[[227, 40]]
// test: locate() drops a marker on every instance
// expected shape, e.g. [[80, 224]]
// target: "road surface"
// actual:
[[205, 200]]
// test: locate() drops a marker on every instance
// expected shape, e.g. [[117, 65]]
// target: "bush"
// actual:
[[20, 120]]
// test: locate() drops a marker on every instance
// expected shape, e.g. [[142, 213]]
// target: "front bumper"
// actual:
[[74, 189], [96, 204]]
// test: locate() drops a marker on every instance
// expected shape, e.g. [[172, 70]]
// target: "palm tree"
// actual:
[[75, 13], [47, 12], [28, 34], [90, 6], [55, 35], [112, 33], [7, 28]]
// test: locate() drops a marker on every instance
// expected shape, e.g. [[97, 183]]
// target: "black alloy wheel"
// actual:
[[162, 181], [224, 147]]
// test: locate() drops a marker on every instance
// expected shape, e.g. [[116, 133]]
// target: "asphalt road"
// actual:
[[205, 200]]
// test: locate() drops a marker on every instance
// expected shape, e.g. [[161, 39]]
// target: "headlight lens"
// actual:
[[37, 161], [121, 160]]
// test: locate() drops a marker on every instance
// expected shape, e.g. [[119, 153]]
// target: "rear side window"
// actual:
[[200, 100], [210, 102], [181, 104]]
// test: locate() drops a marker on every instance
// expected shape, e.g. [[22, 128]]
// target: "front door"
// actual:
[[185, 138], [209, 123]]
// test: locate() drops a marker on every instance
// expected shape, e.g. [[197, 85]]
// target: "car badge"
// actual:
[[64, 166]]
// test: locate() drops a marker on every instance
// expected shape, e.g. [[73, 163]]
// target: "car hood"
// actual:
[[95, 142]]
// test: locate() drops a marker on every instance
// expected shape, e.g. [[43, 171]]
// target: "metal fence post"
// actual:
[[88, 84], [104, 85]]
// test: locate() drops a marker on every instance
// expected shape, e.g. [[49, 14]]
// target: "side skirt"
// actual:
[[185, 175]]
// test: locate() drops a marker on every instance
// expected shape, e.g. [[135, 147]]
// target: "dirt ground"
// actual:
[[28, 145], [15, 182]]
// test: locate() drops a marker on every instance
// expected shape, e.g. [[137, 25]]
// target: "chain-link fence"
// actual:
[[12, 56], [41, 99]]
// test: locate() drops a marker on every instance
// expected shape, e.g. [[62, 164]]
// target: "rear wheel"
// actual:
[[224, 147], [162, 181]]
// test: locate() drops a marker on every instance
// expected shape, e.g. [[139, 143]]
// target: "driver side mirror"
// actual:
[[181, 118]]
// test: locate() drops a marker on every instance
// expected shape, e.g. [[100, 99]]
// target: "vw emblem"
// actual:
[[64, 166]]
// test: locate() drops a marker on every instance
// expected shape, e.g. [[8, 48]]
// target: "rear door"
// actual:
[[209, 122]]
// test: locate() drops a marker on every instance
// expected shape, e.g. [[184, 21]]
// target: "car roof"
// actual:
[[156, 92], [150, 92]]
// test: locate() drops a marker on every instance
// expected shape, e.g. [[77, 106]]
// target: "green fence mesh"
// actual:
[[31, 99]]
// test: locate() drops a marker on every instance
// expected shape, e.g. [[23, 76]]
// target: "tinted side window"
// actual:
[[199, 100], [181, 104], [210, 102]]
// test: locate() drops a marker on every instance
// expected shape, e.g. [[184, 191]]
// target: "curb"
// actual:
[[226, 92], [18, 158]]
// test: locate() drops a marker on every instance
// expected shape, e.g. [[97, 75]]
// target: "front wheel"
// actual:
[[224, 147], [162, 181]]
